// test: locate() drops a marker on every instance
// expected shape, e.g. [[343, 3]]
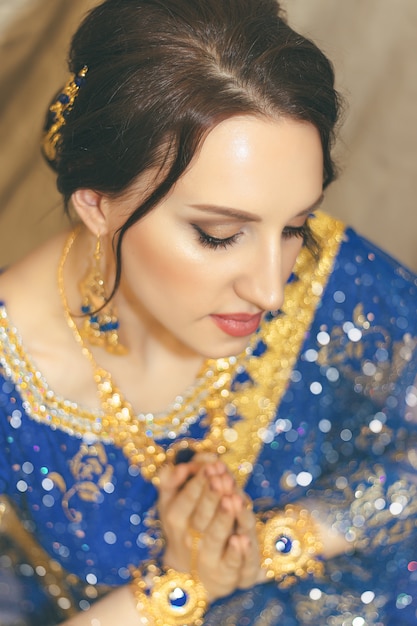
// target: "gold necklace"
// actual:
[[126, 430]]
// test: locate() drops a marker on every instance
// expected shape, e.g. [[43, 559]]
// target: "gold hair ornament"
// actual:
[[59, 111], [290, 545]]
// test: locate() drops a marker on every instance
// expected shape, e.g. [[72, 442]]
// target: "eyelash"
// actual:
[[296, 231], [214, 243]]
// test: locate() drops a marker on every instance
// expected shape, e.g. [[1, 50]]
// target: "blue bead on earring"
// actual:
[[101, 324]]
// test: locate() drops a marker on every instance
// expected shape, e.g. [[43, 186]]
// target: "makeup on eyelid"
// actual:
[[215, 254], [215, 241]]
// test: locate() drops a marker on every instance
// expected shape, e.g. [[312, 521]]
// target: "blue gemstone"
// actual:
[[94, 319], [85, 309], [63, 98], [283, 545], [178, 598], [109, 326]]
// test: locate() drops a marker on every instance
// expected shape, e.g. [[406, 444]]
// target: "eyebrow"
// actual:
[[245, 216]]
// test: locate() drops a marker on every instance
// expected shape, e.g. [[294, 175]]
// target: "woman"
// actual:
[[208, 410]]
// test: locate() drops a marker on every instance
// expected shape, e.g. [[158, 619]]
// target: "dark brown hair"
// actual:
[[162, 73]]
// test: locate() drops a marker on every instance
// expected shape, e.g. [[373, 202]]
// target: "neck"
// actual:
[[154, 355]]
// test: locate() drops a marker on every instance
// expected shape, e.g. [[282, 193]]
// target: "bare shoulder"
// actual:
[[29, 289]]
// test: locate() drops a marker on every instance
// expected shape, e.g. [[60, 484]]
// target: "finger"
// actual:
[[205, 457], [251, 567], [223, 483], [176, 511], [246, 529], [233, 504], [215, 467], [221, 576], [218, 532], [219, 482], [233, 556], [206, 508], [173, 477], [246, 521]]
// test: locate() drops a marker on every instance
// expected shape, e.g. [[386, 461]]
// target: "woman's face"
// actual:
[[210, 259]]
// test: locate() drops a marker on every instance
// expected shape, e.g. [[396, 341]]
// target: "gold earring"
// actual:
[[101, 324]]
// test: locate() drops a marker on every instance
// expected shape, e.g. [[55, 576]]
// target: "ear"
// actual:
[[89, 206]]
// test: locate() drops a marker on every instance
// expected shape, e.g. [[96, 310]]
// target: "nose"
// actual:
[[262, 281]]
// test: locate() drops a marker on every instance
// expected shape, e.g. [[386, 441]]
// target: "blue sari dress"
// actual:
[[321, 408]]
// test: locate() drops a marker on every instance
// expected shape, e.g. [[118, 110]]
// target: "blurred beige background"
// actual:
[[373, 44]]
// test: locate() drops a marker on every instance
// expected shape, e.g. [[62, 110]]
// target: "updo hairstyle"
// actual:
[[163, 73]]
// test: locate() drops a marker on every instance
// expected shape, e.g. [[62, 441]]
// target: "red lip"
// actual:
[[238, 324]]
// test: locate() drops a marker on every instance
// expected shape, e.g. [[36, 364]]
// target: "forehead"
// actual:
[[245, 162], [246, 136], [251, 158]]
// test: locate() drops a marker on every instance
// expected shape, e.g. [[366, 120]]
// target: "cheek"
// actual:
[[165, 267]]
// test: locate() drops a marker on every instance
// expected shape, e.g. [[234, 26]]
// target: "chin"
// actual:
[[235, 348]]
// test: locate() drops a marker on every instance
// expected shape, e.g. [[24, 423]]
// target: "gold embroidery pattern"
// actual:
[[269, 614], [255, 405], [389, 525], [372, 376], [229, 611], [348, 606], [375, 515], [91, 472]]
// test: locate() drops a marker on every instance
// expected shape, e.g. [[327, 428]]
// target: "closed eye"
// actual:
[[208, 241], [295, 231]]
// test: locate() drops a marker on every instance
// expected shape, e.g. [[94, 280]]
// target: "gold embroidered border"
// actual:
[[284, 337]]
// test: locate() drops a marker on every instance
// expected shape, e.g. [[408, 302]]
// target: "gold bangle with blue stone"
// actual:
[[169, 598], [290, 545]]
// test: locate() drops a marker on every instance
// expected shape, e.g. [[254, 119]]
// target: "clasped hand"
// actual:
[[202, 495]]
